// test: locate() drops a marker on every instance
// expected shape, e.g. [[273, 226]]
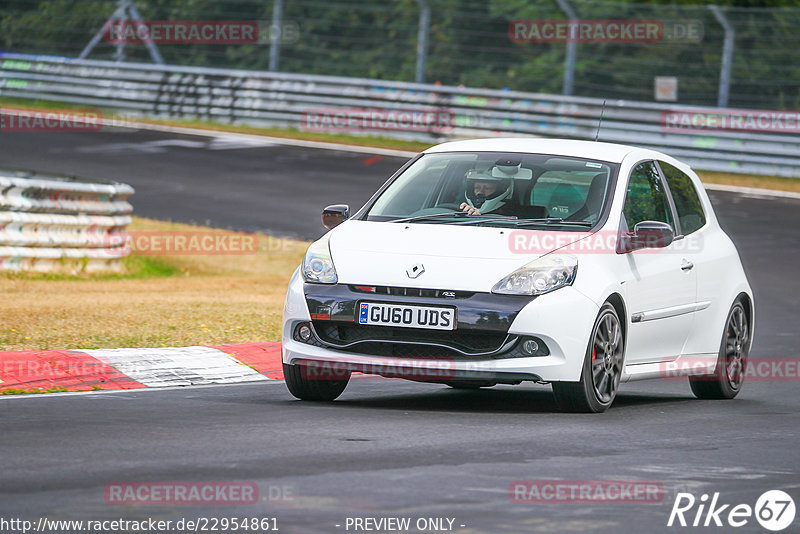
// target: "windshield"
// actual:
[[497, 189]]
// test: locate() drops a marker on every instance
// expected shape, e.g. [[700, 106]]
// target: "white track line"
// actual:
[[19, 396], [387, 152], [241, 137], [231, 136], [255, 139]]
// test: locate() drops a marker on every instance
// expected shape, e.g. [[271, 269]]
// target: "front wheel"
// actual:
[[308, 384], [602, 368], [726, 381]]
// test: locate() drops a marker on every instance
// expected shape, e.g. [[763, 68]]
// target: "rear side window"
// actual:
[[646, 199], [687, 201]]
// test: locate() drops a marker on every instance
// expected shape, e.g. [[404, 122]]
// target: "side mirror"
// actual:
[[334, 215], [646, 234]]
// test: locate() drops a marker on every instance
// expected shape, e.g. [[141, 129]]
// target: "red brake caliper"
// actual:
[[594, 353]]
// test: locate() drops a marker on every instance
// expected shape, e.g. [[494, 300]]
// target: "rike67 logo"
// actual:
[[774, 510]]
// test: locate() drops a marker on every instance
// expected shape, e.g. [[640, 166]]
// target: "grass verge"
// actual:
[[747, 180], [54, 389], [177, 300], [286, 133]]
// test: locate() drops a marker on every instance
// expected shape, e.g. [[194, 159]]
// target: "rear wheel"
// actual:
[[307, 385], [726, 382], [602, 368]]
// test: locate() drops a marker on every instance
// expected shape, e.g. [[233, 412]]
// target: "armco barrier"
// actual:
[[273, 98], [50, 223]]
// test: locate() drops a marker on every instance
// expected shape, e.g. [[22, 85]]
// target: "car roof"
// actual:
[[558, 147]]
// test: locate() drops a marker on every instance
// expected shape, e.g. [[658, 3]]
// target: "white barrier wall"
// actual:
[[51, 223]]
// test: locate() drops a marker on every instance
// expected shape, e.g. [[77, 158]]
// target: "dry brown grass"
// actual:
[[160, 300], [746, 180]]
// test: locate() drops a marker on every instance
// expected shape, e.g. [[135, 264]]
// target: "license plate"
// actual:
[[403, 315]]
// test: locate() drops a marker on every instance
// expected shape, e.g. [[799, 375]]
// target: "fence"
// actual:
[[747, 56], [50, 223], [335, 103]]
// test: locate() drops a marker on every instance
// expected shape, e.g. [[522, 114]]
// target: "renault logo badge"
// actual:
[[415, 270]]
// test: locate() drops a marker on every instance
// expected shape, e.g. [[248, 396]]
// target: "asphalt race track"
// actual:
[[389, 448], [212, 181]]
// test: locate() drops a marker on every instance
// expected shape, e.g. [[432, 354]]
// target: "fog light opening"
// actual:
[[304, 332], [533, 346], [530, 346]]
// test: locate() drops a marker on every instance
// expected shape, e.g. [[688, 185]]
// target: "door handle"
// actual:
[[686, 266]]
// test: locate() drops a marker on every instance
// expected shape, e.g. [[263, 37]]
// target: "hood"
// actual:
[[464, 258]]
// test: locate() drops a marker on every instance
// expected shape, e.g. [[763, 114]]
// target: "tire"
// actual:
[[601, 373], [728, 376], [313, 389]]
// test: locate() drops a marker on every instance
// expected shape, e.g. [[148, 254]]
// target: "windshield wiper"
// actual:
[[558, 221], [431, 216], [490, 217], [456, 214]]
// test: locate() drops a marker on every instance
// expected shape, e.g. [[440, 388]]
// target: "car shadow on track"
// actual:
[[491, 400]]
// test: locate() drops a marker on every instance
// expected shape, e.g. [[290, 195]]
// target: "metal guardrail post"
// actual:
[[422, 39], [275, 35], [121, 13], [118, 13], [151, 46], [119, 54], [571, 50], [727, 56]]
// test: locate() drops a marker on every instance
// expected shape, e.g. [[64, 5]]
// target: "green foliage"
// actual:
[[469, 43], [134, 267], [16, 391]]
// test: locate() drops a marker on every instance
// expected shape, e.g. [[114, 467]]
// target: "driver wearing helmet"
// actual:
[[487, 193]]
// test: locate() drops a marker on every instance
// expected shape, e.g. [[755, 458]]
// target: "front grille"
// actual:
[[408, 342], [412, 292], [406, 350]]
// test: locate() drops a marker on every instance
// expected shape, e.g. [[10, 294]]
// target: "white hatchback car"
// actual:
[[498, 261]]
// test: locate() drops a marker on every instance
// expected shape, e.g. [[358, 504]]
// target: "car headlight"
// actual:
[[318, 264], [540, 276]]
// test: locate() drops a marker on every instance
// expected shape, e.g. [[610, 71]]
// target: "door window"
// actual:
[[646, 199], [687, 201]]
